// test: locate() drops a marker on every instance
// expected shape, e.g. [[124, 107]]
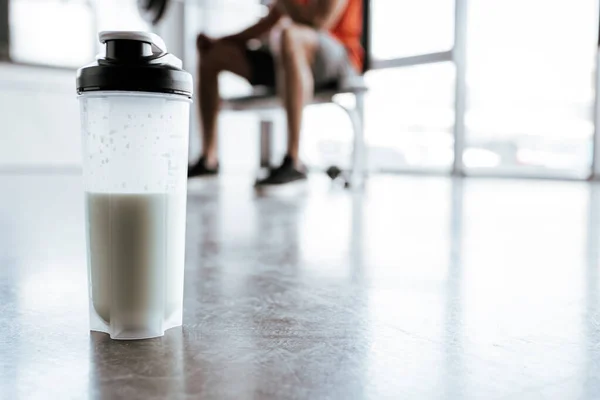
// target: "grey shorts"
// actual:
[[331, 63], [330, 66]]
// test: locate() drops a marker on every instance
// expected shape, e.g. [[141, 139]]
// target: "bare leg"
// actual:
[[223, 56], [298, 46]]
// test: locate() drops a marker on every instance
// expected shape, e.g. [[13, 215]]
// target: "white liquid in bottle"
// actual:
[[136, 249]]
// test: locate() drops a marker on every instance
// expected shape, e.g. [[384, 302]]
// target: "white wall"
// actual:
[[39, 118]]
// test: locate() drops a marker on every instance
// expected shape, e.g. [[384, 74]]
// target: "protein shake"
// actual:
[[135, 108]]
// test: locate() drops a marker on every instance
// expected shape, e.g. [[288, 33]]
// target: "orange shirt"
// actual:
[[348, 31]]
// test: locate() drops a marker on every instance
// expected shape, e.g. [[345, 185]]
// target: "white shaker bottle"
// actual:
[[135, 108]]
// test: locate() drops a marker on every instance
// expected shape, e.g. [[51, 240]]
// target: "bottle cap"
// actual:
[[134, 61]]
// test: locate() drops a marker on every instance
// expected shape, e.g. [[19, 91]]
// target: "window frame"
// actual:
[[4, 31]]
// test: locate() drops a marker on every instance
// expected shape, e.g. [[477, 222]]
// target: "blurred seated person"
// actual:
[[306, 44]]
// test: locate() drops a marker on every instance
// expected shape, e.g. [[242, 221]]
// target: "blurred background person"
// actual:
[[306, 45]]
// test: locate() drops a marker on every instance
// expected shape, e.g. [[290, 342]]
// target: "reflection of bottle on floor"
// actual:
[[150, 369]]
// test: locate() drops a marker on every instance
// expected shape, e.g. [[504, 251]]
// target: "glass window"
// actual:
[[52, 32], [409, 117], [409, 122], [119, 15], [402, 28], [63, 33], [531, 85]]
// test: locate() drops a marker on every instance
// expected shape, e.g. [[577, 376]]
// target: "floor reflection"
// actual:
[[10, 298], [144, 369], [591, 385], [204, 243], [42, 287], [453, 332], [283, 324]]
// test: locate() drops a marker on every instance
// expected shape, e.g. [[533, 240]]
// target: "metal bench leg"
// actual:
[[357, 175], [266, 143]]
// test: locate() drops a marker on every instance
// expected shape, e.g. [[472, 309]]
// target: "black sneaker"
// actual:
[[200, 169], [282, 175]]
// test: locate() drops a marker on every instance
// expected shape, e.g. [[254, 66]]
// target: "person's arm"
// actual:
[[320, 14], [260, 28]]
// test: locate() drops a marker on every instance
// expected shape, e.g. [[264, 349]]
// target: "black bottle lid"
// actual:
[[135, 61]]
